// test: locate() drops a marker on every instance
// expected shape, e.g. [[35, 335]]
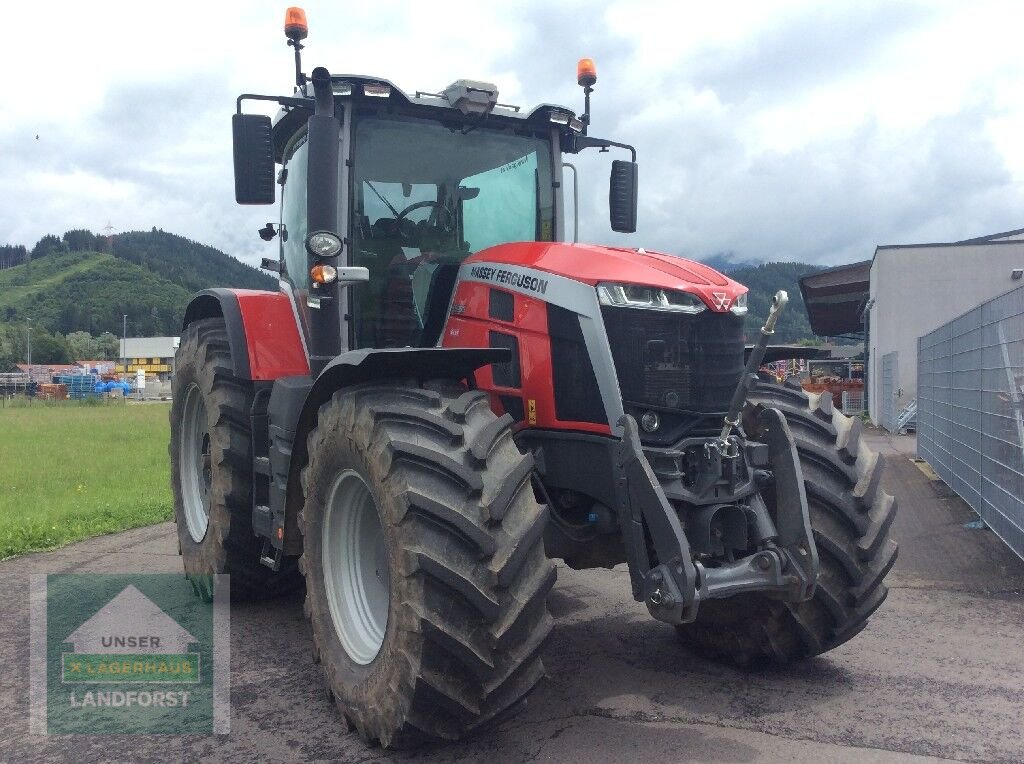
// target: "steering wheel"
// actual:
[[406, 228]]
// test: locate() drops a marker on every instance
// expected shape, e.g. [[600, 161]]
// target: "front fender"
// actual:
[[263, 331], [352, 368], [357, 366]]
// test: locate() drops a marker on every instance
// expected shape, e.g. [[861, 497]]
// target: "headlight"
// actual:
[[739, 307], [652, 298], [323, 244]]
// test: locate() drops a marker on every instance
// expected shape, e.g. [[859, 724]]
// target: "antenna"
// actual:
[[108, 232]]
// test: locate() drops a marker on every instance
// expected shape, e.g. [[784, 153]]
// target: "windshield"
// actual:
[[426, 196]]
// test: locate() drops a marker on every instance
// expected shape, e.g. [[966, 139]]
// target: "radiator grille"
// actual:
[[674, 361]]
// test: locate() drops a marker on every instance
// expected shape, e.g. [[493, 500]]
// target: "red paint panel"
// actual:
[[271, 335], [593, 264], [471, 328]]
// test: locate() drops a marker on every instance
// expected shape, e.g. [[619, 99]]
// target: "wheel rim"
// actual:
[[196, 469], [356, 574]]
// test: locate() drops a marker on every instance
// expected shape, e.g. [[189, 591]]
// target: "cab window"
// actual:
[[293, 218]]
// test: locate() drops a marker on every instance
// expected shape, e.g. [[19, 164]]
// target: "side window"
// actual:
[[293, 216]]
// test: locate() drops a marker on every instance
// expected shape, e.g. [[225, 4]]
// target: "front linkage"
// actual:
[[786, 566]]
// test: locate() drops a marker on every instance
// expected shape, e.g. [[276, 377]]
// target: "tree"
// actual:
[[8, 349], [109, 346], [73, 318], [11, 255], [46, 347], [49, 348], [82, 346], [80, 240], [48, 245]]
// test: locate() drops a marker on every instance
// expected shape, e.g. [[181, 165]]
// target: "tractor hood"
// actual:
[[592, 264]]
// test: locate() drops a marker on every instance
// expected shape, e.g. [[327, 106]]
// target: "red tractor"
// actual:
[[444, 395]]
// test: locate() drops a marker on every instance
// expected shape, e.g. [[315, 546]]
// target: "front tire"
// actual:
[[426, 578], [851, 518]]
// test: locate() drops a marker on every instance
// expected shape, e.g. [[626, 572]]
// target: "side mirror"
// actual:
[[254, 159], [622, 196]]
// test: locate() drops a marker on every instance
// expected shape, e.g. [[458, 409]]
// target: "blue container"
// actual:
[[79, 385]]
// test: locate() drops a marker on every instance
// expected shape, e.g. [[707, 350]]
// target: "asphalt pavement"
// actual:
[[937, 675]]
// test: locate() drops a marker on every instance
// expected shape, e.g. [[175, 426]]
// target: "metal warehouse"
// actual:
[[904, 292], [153, 355]]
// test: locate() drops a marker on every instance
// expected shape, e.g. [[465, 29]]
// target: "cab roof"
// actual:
[[368, 90]]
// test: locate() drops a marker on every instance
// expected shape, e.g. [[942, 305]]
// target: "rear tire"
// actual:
[[449, 636], [211, 470], [851, 518]]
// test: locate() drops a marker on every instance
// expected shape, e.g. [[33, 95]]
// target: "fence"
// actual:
[[11, 384], [853, 402], [970, 399], [890, 379]]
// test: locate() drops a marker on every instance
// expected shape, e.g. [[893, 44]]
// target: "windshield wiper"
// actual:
[[389, 205]]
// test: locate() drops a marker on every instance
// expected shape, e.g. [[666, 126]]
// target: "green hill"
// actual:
[[82, 282], [193, 265], [90, 291]]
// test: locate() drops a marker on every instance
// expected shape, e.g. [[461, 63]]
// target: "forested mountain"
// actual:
[[723, 262], [82, 282], [91, 292], [764, 281], [187, 263], [85, 282]]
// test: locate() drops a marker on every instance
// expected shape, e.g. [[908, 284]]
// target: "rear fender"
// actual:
[[263, 331]]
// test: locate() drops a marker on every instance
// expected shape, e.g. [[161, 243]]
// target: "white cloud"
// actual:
[[771, 129]]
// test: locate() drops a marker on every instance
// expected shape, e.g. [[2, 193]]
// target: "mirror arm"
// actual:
[[580, 142], [286, 101]]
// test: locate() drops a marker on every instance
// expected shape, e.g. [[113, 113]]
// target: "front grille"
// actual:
[[674, 361]]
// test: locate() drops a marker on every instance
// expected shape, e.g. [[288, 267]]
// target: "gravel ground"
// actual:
[[938, 674]]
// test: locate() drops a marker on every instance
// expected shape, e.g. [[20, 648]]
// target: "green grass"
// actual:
[[70, 471]]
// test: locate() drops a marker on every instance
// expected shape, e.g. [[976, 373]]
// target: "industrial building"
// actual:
[[154, 355], [904, 292]]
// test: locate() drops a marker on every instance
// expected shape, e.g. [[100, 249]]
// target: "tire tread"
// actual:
[[852, 521], [468, 522]]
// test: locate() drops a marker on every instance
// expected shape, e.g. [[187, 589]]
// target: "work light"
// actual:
[[323, 244]]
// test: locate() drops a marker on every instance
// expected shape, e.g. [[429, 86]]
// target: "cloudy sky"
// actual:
[[771, 130]]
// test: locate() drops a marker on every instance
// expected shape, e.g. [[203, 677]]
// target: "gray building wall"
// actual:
[[915, 289], [149, 347]]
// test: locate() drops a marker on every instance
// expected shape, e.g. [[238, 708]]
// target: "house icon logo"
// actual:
[[128, 653], [130, 639]]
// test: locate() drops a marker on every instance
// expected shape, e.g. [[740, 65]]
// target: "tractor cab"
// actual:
[[427, 187], [415, 184]]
